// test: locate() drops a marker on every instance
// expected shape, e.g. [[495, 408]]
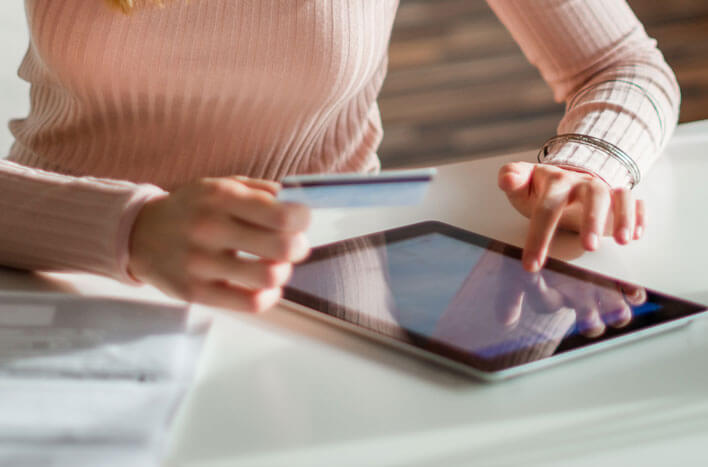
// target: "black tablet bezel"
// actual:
[[673, 308]]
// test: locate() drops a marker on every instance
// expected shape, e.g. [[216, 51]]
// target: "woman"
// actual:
[[153, 136]]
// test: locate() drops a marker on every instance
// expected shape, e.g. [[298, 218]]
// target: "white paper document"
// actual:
[[90, 381]]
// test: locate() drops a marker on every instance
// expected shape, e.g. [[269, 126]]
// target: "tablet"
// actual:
[[463, 299]]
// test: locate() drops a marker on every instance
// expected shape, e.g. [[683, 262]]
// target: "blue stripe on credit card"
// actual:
[[390, 188]]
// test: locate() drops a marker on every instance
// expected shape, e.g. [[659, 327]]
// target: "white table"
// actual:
[[281, 389]]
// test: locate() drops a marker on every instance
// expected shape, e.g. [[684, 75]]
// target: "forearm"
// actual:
[[54, 222], [632, 104], [617, 87]]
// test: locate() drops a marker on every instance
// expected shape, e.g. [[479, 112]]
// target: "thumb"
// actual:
[[515, 178], [258, 184]]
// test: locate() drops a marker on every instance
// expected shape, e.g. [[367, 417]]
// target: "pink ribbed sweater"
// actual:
[[124, 107]]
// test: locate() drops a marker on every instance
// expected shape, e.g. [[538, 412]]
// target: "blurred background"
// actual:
[[458, 85]]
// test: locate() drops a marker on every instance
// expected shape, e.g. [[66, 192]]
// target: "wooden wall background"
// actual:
[[459, 86]]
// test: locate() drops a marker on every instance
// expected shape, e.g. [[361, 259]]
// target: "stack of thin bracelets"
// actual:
[[600, 144]]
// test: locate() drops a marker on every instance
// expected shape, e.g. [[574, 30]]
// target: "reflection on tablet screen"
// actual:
[[468, 297]]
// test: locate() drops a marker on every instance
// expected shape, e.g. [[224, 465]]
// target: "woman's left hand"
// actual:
[[554, 197]]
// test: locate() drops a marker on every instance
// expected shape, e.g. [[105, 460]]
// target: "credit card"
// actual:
[[354, 190]]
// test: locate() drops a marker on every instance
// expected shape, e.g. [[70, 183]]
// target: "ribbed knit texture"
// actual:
[[263, 88], [597, 56]]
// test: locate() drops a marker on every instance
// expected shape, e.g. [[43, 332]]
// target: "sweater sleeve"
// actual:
[[54, 222], [597, 57]]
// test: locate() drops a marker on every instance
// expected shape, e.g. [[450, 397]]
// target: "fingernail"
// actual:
[[267, 299], [283, 272], [584, 326], [510, 321], [616, 317], [534, 265], [592, 327], [624, 235], [594, 241], [638, 231], [303, 246]]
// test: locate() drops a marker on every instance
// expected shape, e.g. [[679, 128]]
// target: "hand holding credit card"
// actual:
[[387, 188]]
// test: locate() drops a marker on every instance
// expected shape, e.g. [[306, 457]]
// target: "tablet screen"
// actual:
[[467, 297]]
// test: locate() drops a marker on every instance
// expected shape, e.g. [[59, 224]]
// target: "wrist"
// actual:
[[581, 170], [579, 155], [138, 241]]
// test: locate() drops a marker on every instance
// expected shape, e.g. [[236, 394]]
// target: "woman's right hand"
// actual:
[[186, 243]]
